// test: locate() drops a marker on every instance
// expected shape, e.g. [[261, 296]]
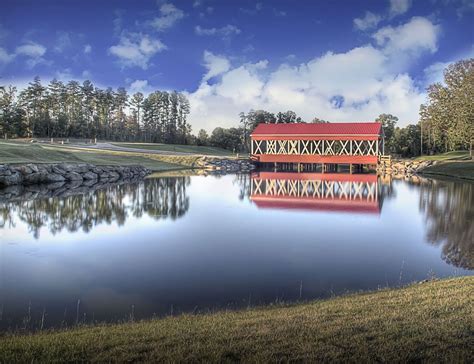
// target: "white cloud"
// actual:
[[252, 11], [64, 75], [63, 42], [118, 21], [5, 57], [34, 53], [279, 12], [363, 79], [87, 48], [369, 21], [418, 35], [86, 74], [31, 49], [465, 6], [399, 7], [215, 65], [434, 72], [140, 86], [169, 15], [136, 49], [224, 32]]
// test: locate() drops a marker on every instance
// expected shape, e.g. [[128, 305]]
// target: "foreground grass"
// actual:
[[192, 149], [424, 322], [11, 152]]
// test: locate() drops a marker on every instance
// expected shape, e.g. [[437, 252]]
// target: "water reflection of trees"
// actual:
[[449, 213], [243, 181], [158, 198]]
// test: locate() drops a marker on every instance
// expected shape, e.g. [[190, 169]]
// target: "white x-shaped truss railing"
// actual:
[[316, 147]]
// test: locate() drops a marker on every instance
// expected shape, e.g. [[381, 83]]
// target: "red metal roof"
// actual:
[[356, 128]]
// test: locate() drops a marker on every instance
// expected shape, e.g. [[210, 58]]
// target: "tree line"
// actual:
[[446, 120], [74, 110], [238, 138]]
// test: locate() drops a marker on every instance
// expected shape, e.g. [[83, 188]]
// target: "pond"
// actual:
[[168, 245]]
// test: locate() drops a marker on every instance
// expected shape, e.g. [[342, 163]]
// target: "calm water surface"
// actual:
[[171, 245]]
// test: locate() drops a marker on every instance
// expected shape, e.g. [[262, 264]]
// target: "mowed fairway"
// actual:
[[19, 152], [455, 155], [429, 322]]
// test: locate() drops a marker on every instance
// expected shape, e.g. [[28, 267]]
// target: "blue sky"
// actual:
[[338, 60]]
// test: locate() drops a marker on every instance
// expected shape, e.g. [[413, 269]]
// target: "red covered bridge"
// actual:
[[328, 143]]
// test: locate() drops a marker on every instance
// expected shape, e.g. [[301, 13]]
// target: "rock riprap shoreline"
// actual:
[[405, 167], [226, 165], [34, 174]]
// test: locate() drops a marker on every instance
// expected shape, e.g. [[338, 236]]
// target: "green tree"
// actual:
[[317, 120], [202, 138], [388, 124], [229, 139], [447, 118]]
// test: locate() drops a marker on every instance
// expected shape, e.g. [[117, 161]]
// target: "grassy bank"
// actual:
[[457, 169], [455, 164], [17, 152], [429, 322], [192, 149]]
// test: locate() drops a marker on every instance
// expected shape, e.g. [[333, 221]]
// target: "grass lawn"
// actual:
[[456, 155], [429, 322], [11, 152], [194, 149]]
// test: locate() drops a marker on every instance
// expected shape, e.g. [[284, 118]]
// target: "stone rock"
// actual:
[[24, 170], [73, 176], [35, 174], [58, 170], [55, 177], [90, 176], [114, 176], [67, 167], [35, 178], [55, 185], [11, 179]]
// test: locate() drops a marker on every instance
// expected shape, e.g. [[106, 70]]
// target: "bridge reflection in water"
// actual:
[[316, 191]]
